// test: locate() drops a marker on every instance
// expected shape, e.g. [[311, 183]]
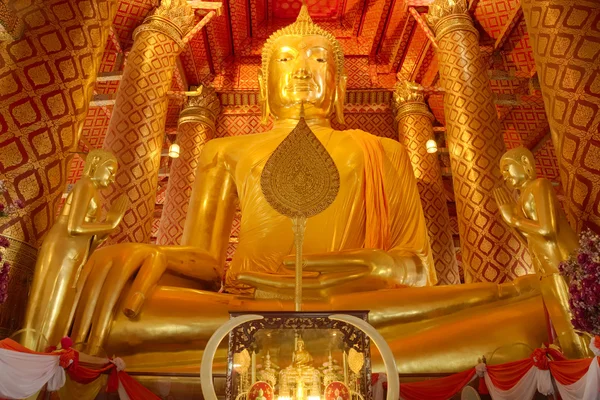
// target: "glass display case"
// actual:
[[298, 356]]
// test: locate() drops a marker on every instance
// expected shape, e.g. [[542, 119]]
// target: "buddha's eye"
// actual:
[[321, 60], [284, 59]]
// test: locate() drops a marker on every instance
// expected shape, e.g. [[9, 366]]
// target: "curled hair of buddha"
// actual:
[[523, 156], [303, 26], [95, 159]]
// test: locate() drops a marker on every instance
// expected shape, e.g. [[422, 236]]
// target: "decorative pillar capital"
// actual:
[[407, 99], [174, 18], [445, 16], [203, 108]]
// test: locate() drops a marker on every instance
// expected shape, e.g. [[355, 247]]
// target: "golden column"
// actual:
[[136, 130], [565, 36], [47, 73], [196, 126], [491, 251], [414, 130]]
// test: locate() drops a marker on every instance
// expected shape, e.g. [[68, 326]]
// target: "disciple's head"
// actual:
[[101, 167], [517, 167]]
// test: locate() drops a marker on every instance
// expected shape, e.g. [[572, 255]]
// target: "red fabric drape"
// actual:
[[569, 371], [85, 375], [505, 376], [134, 389], [10, 344], [437, 389]]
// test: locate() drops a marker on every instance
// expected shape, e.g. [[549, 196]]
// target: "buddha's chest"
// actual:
[[300, 166]]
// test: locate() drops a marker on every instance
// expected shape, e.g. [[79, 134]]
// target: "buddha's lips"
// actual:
[[301, 87]]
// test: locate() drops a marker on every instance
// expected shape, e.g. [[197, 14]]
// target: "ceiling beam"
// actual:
[[109, 76], [103, 100], [415, 14]]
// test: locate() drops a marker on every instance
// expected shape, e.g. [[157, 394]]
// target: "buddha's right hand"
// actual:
[[108, 270], [104, 277]]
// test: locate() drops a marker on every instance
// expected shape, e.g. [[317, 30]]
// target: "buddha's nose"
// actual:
[[302, 72]]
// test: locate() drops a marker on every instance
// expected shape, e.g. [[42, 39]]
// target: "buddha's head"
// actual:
[[101, 167], [300, 344], [260, 393], [302, 64], [517, 167]]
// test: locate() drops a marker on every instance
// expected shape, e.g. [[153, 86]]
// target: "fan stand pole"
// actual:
[[299, 227]]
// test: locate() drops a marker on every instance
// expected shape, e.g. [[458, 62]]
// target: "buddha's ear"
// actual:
[[529, 169], [340, 99], [262, 98]]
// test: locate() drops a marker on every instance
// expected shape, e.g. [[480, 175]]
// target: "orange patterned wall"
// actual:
[[46, 83]]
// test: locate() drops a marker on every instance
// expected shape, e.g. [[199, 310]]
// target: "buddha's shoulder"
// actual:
[[387, 143]]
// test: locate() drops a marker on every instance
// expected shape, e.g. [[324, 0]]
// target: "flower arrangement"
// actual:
[[582, 271], [5, 210]]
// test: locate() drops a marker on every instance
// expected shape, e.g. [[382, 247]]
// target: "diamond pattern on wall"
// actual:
[[565, 36], [521, 122], [493, 15], [46, 82]]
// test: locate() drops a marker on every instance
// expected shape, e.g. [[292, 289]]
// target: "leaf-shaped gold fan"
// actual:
[[300, 180]]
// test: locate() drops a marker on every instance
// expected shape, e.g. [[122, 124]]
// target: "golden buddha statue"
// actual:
[[144, 303], [539, 219], [301, 358], [67, 246]]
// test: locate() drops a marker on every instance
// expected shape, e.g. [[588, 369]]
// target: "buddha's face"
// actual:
[[300, 346], [302, 69], [105, 173], [515, 173]]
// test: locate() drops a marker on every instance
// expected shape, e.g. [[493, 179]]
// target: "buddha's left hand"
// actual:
[[371, 269]]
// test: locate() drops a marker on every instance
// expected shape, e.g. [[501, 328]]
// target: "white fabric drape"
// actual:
[[378, 391], [25, 374], [524, 390], [586, 388]]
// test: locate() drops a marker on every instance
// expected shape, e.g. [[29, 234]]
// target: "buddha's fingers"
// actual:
[[501, 197], [152, 269], [113, 289], [89, 289]]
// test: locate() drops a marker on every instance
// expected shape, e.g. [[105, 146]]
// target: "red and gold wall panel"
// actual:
[[46, 82], [565, 36]]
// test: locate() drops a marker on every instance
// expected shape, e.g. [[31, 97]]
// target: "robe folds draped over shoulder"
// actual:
[[378, 206]]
